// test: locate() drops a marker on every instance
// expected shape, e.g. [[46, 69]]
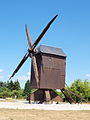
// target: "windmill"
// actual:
[[47, 69], [32, 53]]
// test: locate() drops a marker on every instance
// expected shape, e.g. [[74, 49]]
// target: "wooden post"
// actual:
[[47, 95]]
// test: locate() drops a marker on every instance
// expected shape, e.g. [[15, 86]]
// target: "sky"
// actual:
[[70, 31]]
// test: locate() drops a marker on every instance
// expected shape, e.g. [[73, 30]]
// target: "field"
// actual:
[[15, 114]]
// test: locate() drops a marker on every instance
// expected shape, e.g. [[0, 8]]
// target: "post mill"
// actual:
[[47, 68]]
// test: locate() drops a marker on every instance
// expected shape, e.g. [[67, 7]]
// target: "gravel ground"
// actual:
[[26, 105]]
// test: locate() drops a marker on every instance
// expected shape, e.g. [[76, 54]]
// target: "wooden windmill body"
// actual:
[[51, 64]]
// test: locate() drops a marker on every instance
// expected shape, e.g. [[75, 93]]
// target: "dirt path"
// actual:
[[26, 105], [11, 114]]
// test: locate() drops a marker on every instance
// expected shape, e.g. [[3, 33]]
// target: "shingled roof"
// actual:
[[51, 50]]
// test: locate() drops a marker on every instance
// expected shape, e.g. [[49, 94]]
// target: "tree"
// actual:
[[5, 92], [10, 85], [3, 84], [10, 89], [17, 94], [16, 85], [27, 89], [81, 88]]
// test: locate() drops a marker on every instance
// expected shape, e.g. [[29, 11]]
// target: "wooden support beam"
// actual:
[[77, 95], [67, 96], [47, 95]]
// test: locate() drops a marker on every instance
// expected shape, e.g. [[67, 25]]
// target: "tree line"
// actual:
[[10, 89], [13, 89]]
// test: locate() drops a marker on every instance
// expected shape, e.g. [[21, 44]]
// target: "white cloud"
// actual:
[[1, 70], [28, 73], [24, 77], [1, 77], [88, 75]]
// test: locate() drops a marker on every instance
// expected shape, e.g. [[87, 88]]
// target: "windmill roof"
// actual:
[[51, 50]]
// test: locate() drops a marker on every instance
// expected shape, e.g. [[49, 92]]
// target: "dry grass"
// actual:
[[11, 100], [11, 114]]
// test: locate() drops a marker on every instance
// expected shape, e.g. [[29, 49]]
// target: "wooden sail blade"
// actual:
[[28, 37], [35, 68], [20, 64], [43, 32], [33, 57]]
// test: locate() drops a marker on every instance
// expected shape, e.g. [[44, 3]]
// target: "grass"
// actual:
[[11, 114], [12, 100]]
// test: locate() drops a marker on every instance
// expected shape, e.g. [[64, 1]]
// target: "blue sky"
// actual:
[[70, 31]]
